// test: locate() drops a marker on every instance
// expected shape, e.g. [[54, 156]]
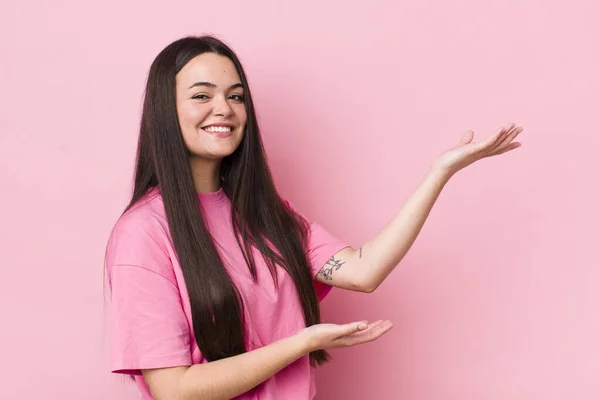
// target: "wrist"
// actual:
[[303, 342], [441, 174]]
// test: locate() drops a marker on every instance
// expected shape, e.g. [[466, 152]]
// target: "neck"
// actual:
[[206, 174]]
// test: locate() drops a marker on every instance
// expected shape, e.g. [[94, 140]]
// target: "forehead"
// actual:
[[208, 67]]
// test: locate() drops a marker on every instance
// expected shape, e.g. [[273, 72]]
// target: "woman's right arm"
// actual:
[[232, 376], [225, 378]]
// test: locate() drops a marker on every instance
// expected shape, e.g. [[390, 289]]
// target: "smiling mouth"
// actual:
[[214, 129]]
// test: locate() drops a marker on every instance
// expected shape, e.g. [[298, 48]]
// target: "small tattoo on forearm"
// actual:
[[360, 253], [334, 265]]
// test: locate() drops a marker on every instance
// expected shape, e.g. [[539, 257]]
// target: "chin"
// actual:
[[215, 151], [216, 154]]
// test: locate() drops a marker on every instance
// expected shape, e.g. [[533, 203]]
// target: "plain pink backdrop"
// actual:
[[497, 299]]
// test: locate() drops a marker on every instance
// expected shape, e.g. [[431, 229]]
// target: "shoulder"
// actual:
[[146, 216], [140, 237]]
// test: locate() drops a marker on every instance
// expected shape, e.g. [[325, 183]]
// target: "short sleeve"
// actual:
[[322, 245], [149, 328]]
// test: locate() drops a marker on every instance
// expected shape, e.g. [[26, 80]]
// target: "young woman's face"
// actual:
[[210, 106]]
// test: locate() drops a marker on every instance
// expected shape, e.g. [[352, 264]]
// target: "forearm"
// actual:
[[380, 255], [230, 377]]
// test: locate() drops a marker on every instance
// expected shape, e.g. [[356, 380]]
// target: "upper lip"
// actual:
[[221, 124]]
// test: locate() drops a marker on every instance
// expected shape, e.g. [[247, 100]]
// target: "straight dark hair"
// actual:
[[260, 218]]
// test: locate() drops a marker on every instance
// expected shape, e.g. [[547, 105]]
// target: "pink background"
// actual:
[[497, 299]]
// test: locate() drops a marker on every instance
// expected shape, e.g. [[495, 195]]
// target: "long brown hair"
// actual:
[[260, 218]]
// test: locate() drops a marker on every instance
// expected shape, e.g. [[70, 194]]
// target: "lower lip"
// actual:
[[220, 134]]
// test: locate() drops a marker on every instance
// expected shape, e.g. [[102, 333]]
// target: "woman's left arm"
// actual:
[[364, 269]]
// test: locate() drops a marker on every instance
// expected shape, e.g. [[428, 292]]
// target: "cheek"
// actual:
[[192, 115], [241, 115]]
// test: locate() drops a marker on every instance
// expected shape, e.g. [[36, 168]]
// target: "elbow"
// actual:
[[366, 286], [369, 289], [173, 383]]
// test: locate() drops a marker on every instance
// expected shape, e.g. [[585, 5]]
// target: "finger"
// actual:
[[359, 333], [384, 325], [510, 147], [381, 330], [466, 138], [366, 332], [510, 137], [353, 327], [368, 335], [508, 127], [369, 328], [496, 138]]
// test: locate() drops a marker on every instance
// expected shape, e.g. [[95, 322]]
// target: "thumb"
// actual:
[[466, 138], [355, 327]]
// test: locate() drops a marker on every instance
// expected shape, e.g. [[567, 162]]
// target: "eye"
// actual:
[[200, 97], [237, 97]]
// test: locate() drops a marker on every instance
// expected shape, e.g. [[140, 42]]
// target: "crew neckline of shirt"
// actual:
[[212, 197], [205, 198]]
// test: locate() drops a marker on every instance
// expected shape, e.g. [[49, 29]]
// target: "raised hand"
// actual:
[[327, 336], [467, 152]]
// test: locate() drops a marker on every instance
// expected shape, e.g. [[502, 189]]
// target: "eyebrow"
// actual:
[[212, 85]]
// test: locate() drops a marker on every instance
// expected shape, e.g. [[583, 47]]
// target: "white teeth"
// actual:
[[218, 129]]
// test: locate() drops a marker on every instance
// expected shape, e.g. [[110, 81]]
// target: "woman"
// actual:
[[215, 280]]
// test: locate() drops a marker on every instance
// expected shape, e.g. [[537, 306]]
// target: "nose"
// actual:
[[221, 107]]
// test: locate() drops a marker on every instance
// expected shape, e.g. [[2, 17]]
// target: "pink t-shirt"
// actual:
[[151, 318]]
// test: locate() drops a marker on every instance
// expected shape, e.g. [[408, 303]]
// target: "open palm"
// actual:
[[467, 152], [327, 336]]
